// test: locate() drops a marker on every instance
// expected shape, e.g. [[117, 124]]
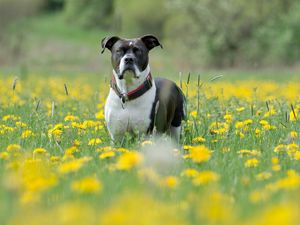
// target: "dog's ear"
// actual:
[[151, 41], [108, 42]]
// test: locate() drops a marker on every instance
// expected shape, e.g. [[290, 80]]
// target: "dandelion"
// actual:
[[251, 163], [257, 132], [129, 160], [293, 134], [170, 182], [228, 117], [190, 172], [39, 152], [245, 152], [56, 131], [280, 148], [20, 124], [76, 143], [73, 165], [13, 148], [87, 185], [275, 164], [200, 154], [205, 177], [107, 154], [55, 159], [71, 118], [199, 139], [95, 141], [26, 134], [99, 115], [3, 155], [240, 109], [194, 114], [293, 115]]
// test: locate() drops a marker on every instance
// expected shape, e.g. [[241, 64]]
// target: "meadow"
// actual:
[[237, 162]]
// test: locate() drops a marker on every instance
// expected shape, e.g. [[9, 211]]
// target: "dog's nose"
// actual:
[[128, 60]]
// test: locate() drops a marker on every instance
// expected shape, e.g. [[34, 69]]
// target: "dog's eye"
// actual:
[[136, 50], [120, 51]]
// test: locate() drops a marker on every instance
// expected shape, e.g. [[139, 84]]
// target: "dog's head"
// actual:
[[130, 55]]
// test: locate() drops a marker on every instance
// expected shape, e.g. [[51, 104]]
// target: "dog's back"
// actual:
[[171, 107]]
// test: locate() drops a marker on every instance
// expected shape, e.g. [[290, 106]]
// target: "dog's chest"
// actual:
[[133, 116]]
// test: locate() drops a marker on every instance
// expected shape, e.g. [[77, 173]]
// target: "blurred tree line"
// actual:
[[220, 33]]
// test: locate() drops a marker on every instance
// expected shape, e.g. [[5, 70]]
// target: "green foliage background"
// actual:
[[214, 33]]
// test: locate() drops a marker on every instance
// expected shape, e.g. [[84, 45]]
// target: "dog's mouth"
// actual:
[[129, 72]]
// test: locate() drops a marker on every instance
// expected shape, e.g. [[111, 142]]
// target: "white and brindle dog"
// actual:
[[136, 103]]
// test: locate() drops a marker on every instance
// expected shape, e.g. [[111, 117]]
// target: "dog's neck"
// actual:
[[128, 84]]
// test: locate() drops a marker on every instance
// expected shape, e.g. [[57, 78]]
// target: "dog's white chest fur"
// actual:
[[133, 116]]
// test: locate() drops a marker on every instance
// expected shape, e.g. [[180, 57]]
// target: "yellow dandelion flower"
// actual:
[[248, 121], [13, 147], [205, 177], [76, 143], [187, 147], [263, 122], [20, 124], [240, 109], [27, 134], [87, 185], [280, 148], [228, 117], [239, 125], [199, 139], [194, 114], [129, 160], [105, 149], [3, 155], [70, 151], [293, 134], [240, 134], [99, 115], [293, 115], [245, 152], [71, 118], [200, 154], [170, 182], [107, 154], [190, 172], [95, 141], [73, 165], [56, 131], [257, 132], [251, 163], [55, 158], [39, 151]]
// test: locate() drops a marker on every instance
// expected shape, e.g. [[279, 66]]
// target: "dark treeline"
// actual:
[[222, 33]]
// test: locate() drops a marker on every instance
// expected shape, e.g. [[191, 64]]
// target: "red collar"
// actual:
[[139, 91]]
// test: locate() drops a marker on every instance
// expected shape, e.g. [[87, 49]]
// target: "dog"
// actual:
[[136, 102]]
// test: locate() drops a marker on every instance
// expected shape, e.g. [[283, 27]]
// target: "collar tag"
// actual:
[[124, 98]]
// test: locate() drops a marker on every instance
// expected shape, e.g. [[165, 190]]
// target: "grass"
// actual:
[[237, 163]]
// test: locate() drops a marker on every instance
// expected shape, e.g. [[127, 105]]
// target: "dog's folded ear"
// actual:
[[151, 41], [108, 42]]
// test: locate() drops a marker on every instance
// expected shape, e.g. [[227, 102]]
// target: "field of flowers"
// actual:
[[238, 161]]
